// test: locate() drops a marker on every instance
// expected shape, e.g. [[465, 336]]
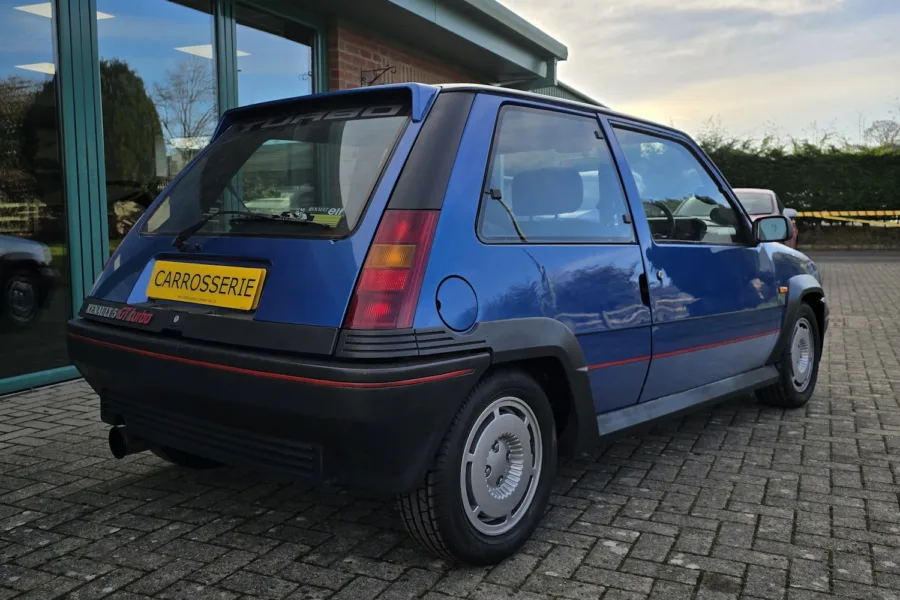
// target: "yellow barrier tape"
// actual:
[[825, 214], [872, 223]]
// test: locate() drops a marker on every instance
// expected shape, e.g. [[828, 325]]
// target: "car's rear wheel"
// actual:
[[491, 479], [184, 459], [798, 366], [20, 303]]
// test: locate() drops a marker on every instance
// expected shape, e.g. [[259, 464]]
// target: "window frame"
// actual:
[[779, 205], [318, 76], [744, 223], [489, 168]]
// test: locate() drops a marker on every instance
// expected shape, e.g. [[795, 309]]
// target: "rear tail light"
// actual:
[[388, 288]]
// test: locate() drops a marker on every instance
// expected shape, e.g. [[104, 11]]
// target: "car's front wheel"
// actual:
[[798, 366], [491, 480]]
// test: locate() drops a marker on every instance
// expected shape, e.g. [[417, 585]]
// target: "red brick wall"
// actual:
[[350, 51]]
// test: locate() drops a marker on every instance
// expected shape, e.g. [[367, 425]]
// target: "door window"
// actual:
[[682, 202], [551, 179]]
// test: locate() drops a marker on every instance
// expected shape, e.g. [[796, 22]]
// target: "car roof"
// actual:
[[420, 91], [514, 93]]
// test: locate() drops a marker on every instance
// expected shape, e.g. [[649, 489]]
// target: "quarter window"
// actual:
[[681, 201], [551, 179]]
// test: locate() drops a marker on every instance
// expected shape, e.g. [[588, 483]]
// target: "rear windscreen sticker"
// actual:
[[316, 214]]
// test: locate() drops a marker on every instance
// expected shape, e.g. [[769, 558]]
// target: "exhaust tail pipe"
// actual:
[[121, 444]]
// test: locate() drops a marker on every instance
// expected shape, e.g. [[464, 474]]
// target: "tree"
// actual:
[[884, 132], [20, 189], [130, 125], [17, 95], [186, 100], [132, 137]]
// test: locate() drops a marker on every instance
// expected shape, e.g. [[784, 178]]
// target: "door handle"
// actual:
[[645, 289]]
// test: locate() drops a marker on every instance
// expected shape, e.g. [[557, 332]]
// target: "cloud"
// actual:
[[647, 52], [841, 91], [775, 7]]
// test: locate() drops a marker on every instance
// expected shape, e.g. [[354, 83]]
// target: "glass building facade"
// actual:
[[102, 102]]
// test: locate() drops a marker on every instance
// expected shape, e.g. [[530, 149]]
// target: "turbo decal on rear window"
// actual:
[[343, 114]]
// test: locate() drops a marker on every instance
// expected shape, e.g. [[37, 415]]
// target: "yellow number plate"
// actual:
[[213, 285]]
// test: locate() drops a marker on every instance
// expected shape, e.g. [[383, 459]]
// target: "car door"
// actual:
[[715, 306], [554, 236]]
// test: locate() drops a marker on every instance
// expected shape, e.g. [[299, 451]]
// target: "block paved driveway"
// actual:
[[740, 502]]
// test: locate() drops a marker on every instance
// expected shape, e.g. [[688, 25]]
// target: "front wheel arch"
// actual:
[[802, 289]]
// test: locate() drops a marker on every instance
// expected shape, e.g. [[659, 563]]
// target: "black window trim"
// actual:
[[708, 166], [572, 112]]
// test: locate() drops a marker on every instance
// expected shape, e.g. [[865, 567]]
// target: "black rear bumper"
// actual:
[[375, 425]]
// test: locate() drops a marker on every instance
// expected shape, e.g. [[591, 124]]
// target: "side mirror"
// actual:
[[772, 229], [790, 213]]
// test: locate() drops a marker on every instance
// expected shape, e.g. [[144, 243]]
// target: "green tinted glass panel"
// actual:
[[35, 300]]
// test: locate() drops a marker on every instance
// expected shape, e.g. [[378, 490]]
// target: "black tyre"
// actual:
[[798, 366], [184, 459], [491, 479], [20, 300]]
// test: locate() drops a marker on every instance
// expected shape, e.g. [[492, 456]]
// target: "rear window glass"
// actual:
[[304, 174], [755, 203]]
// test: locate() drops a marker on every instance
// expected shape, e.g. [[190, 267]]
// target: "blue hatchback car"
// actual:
[[434, 291]]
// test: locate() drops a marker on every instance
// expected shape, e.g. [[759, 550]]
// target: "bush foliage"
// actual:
[[808, 175]]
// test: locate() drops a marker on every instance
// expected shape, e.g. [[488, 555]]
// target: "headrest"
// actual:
[[549, 191]]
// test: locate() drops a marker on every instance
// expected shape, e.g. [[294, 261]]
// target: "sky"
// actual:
[[789, 67], [152, 36]]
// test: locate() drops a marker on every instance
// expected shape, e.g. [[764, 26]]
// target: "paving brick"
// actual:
[[316, 576], [21, 578], [361, 588], [652, 547], [614, 579], [667, 590], [809, 574], [562, 561], [657, 571], [695, 541], [766, 583], [261, 586], [55, 588], [412, 584], [185, 590], [105, 585], [715, 586], [608, 554], [562, 587]]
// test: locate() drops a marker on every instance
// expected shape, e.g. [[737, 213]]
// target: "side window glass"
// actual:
[[551, 179], [681, 200]]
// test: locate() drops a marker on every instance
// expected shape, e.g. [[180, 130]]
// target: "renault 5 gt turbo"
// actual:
[[434, 291]]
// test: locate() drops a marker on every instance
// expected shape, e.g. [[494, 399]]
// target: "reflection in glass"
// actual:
[[158, 90], [274, 57], [34, 275]]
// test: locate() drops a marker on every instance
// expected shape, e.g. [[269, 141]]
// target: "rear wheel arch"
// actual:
[[550, 352], [550, 374]]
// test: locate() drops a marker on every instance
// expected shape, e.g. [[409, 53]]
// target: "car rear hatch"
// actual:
[[261, 240]]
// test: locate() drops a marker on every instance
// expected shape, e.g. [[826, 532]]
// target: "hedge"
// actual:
[[812, 178]]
